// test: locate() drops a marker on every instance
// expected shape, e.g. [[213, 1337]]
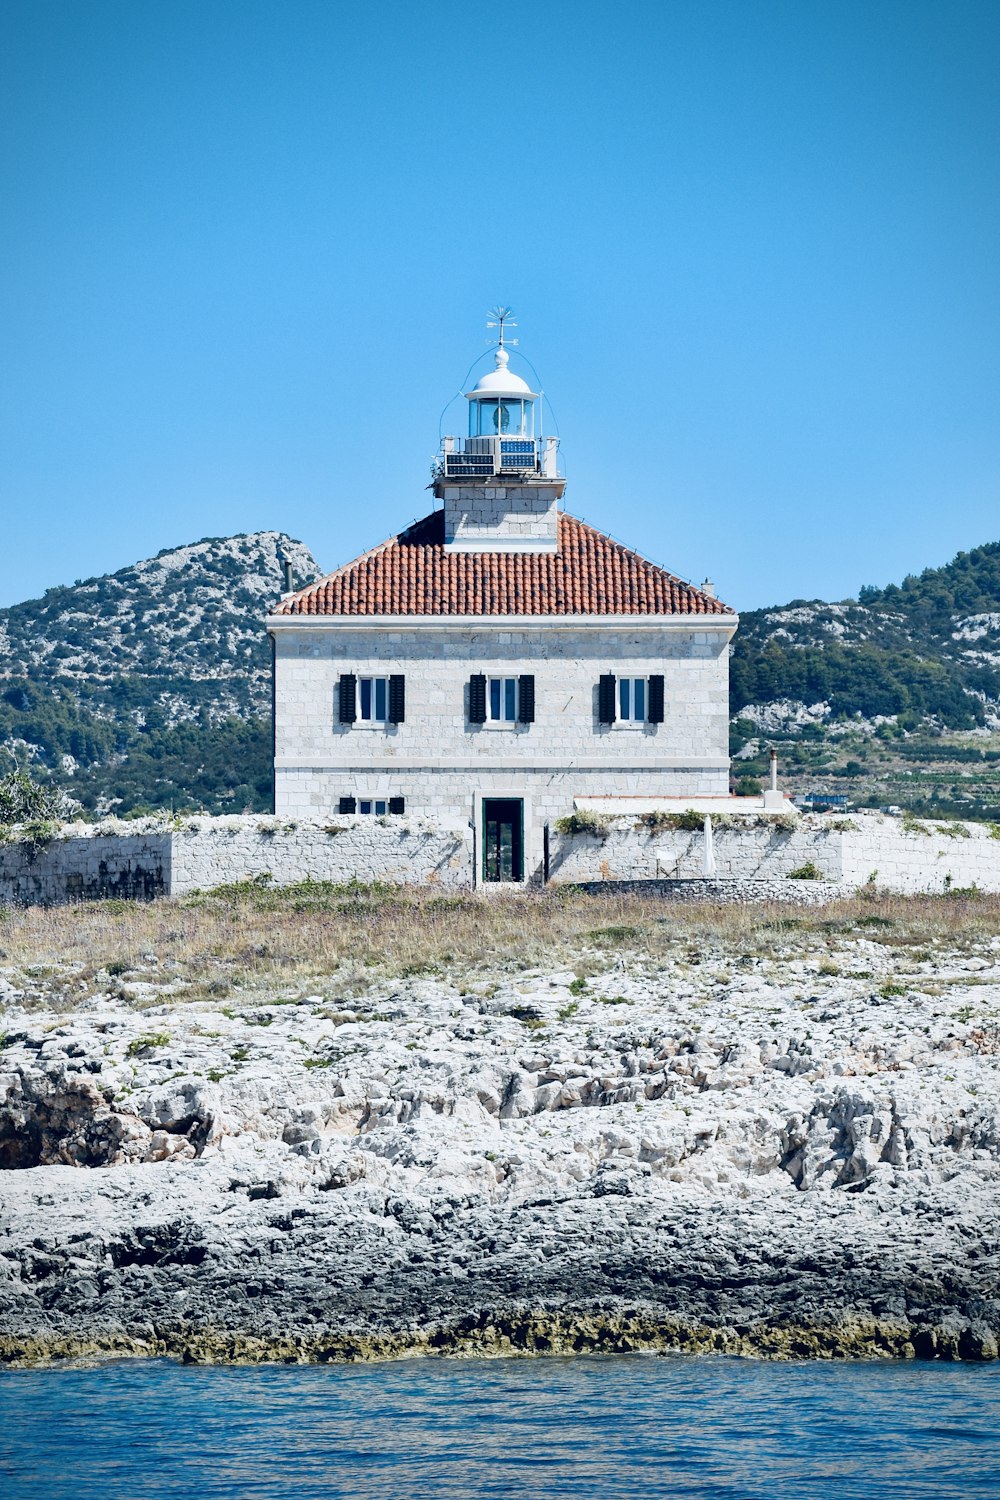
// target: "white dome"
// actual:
[[501, 382]]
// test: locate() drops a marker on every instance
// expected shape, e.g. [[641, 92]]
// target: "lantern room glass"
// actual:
[[507, 417]]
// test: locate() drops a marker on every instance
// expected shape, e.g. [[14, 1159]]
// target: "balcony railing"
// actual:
[[483, 457]]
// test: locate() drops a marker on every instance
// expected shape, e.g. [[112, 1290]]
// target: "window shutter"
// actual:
[[348, 805], [397, 804], [526, 699], [397, 700], [477, 698], [606, 698], [348, 698], [655, 712]]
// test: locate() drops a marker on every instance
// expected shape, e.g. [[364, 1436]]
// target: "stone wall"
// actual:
[[908, 857], [219, 851], [91, 867], [731, 892], [753, 862], [206, 852], [921, 856], [627, 852]]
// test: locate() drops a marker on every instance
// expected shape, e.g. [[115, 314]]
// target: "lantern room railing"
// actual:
[[482, 457]]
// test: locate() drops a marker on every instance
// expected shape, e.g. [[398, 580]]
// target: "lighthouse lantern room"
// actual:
[[502, 437]]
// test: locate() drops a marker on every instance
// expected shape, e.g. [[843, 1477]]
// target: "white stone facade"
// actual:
[[443, 765], [502, 518]]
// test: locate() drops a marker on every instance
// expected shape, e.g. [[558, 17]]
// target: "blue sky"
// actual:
[[752, 246]]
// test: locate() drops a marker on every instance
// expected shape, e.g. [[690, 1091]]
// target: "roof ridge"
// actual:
[[647, 562], [308, 588]]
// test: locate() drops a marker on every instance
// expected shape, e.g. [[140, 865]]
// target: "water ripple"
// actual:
[[594, 1428]]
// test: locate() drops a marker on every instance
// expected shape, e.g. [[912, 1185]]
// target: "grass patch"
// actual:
[[147, 1043], [281, 940], [612, 936]]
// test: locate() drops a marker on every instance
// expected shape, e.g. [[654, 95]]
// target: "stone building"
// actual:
[[498, 660]]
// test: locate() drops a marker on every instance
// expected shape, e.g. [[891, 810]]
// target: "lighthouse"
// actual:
[[499, 664]]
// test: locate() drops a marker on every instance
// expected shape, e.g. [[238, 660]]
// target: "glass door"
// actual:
[[503, 839]]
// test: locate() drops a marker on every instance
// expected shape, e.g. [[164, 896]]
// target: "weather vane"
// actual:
[[501, 317]]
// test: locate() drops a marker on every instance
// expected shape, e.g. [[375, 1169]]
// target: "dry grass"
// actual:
[[251, 933]]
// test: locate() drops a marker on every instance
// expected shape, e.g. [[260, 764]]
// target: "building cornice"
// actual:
[[390, 767], [726, 624]]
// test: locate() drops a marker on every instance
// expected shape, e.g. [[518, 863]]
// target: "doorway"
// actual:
[[503, 839]]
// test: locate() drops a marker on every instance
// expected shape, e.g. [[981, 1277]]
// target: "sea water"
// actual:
[[420, 1429]]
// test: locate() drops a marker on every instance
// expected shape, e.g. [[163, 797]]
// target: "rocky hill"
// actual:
[[893, 697], [928, 647], [150, 686]]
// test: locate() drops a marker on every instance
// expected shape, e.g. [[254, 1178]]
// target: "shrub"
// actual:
[[688, 821], [591, 823], [748, 786], [808, 871], [24, 801]]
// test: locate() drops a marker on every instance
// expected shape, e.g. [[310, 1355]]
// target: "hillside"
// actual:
[[890, 698], [150, 687]]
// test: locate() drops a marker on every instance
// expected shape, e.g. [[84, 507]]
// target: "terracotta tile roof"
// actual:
[[412, 574]]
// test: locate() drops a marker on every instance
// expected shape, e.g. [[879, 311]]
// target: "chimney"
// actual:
[[286, 564], [708, 587]]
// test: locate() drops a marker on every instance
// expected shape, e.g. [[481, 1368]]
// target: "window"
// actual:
[[373, 699], [374, 806], [632, 700], [490, 417], [503, 699]]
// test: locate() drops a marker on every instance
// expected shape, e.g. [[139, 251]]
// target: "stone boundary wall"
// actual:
[[87, 868], [624, 852], [753, 862], [730, 892], [81, 865], [400, 851], [924, 858], [911, 856]]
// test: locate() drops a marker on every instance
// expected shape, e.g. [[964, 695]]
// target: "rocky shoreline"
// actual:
[[789, 1150]]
